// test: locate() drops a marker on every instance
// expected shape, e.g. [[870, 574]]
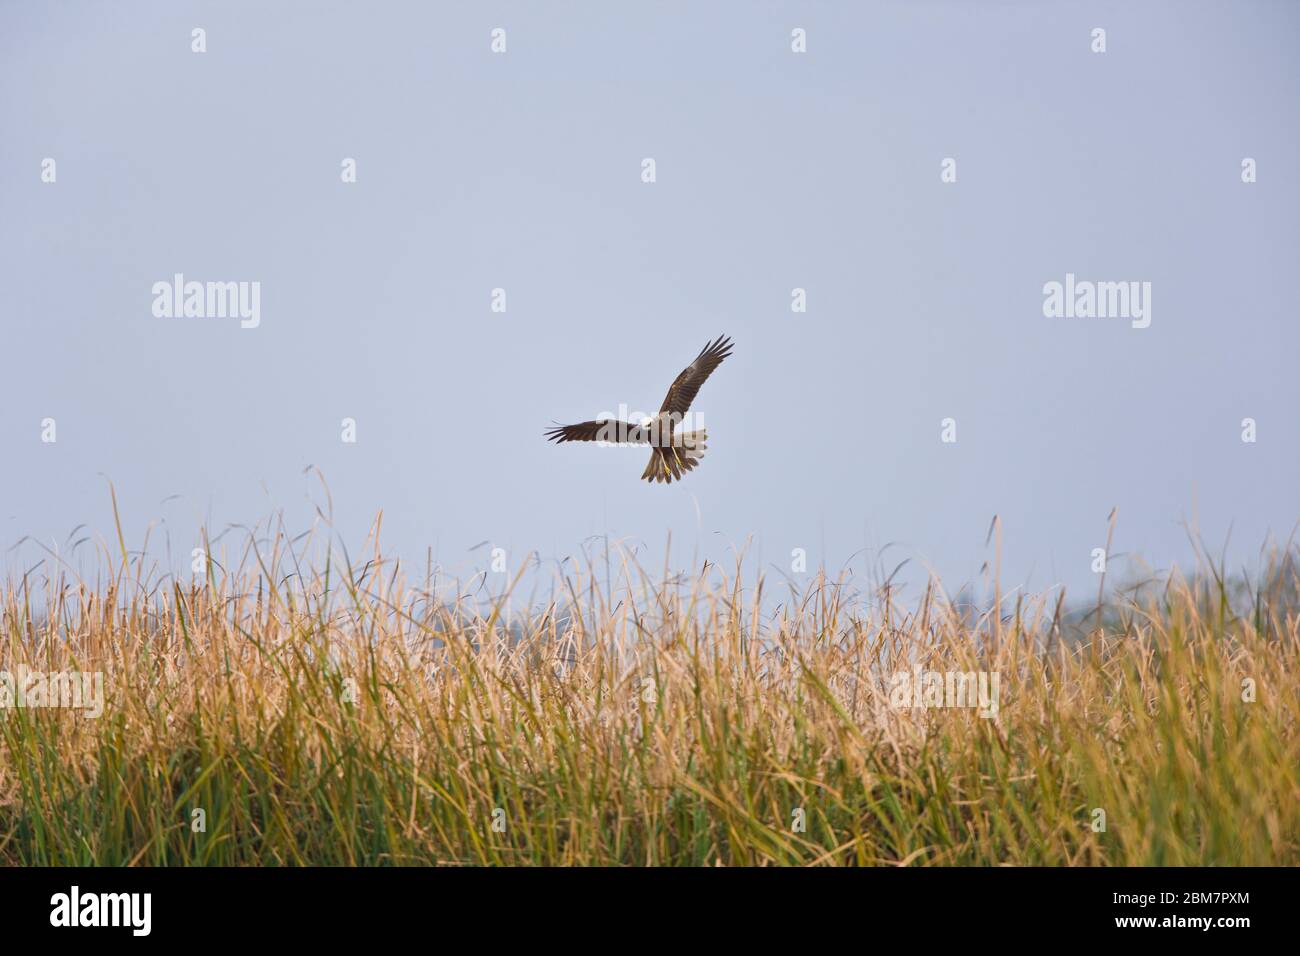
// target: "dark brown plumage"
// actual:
[[673, 453], [685, 387]]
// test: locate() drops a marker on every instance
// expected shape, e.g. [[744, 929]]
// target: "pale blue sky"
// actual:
[[775, 171]]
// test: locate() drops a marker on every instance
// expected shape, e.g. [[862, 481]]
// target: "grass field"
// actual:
[[273, 715]]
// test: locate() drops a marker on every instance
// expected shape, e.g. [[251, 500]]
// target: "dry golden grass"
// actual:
[[345, 717]]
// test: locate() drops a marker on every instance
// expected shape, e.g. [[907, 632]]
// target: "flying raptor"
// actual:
[[672, 452]]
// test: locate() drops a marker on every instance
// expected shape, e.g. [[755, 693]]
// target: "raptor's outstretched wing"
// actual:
[[604, 429], [685, 386]]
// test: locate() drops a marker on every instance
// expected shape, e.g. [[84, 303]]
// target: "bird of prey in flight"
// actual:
[[672, 453]]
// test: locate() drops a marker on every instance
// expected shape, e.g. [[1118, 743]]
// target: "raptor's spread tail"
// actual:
[[669, 464]]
